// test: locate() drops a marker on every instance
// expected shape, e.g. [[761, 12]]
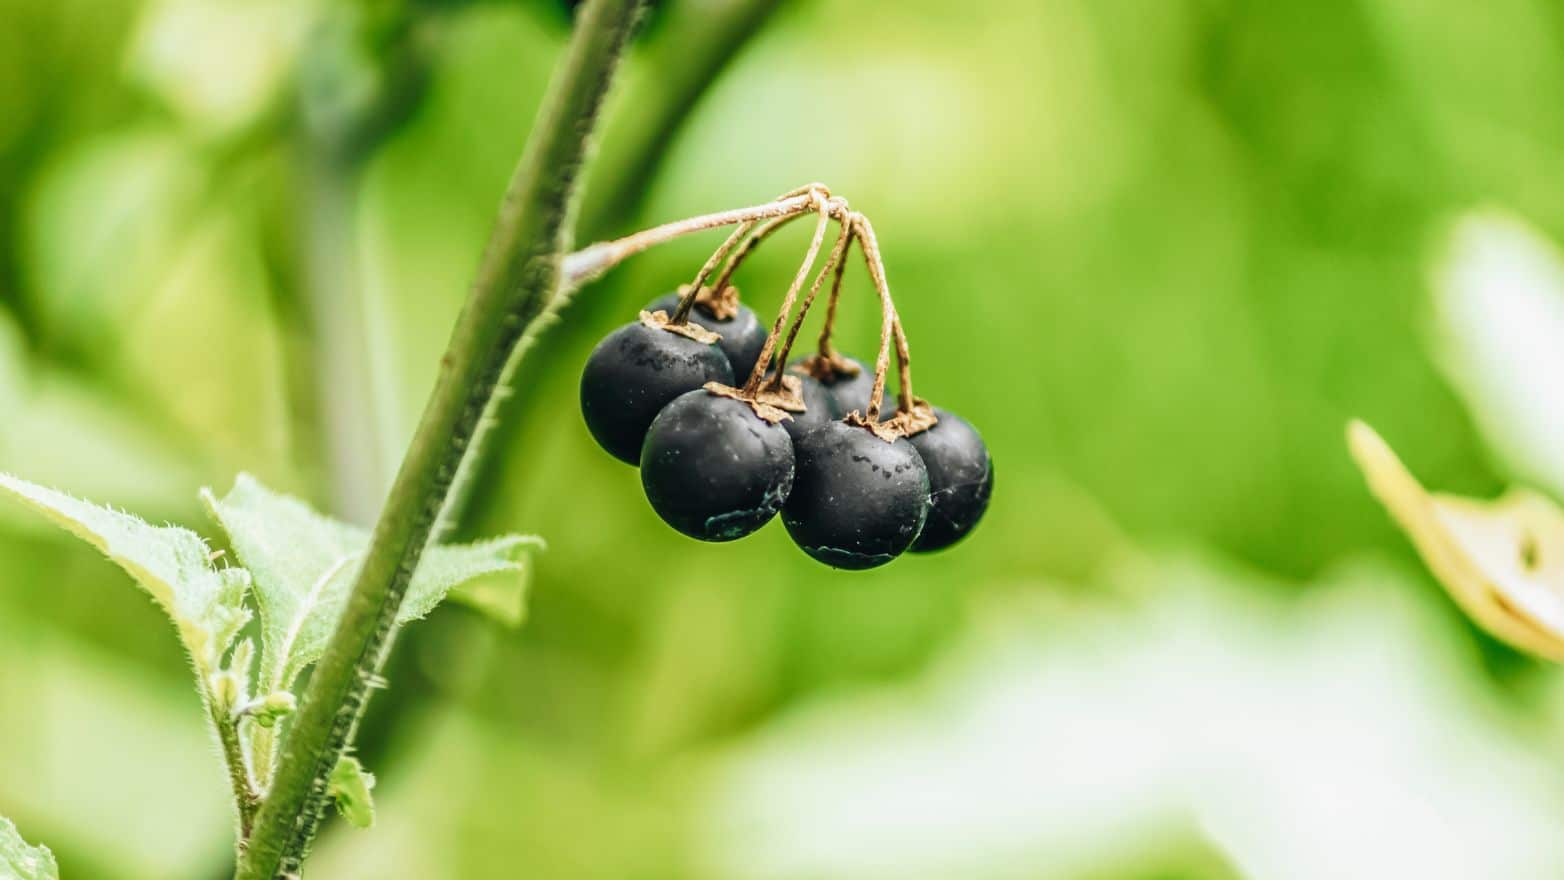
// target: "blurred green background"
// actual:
[[1158, 253]]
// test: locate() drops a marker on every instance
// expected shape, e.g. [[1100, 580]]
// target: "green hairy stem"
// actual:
[[516, 281]]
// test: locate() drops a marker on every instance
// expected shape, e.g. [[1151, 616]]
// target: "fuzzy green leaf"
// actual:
[[19, 861], [304, 565], [349, 788], [171, 563]]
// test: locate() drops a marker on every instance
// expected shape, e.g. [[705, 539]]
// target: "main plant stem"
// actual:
[[695, 42], [516, 280]]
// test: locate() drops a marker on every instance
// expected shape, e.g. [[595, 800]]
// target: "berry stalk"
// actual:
[[735, 258], [686, 302], [824, 348], [890, 326], [750, 244], [759, 372], [834, 262], [592, 261], [517, 279]]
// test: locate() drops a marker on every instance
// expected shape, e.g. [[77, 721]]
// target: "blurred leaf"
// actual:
[[304, 564], [1500, 560], [476, 580], [103, 225], [349, 788], [1499, 302], [220, 64], [171, 563], [141, 251], [103, 759], [19, 861], [1076, 739], [471, 796]]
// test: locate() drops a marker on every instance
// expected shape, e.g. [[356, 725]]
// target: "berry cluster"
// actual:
[[725, 442]]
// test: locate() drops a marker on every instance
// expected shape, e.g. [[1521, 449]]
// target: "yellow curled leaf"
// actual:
[[1502, 561]]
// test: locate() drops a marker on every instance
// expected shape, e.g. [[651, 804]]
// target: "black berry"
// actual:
[[713, 469], [742, 335], [961, 479], [819, 405], [635, 372], [851, 392], [857, 501]]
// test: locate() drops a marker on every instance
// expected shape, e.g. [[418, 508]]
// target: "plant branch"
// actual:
[[823, 348], [682, 313], [515, 284], [245, 797], [694, 43], [593, 260], [891, 328], [333, 292], [833, 264], [339, 131], [758, 373], [750, 244]]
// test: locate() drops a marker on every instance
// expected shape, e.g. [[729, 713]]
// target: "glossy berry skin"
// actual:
[[857, 501], [961, 479], [713, 469], [635, 372], [819, 406], [852, 392], [742, 335]]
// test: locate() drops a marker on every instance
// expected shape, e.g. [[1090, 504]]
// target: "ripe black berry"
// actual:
[[713, 469], [636, 371], [961, 478], [819, 406], [857, 501], [851, 392], [742, 335]]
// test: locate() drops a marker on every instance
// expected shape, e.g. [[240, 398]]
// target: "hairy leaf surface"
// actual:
[[349, 788], [19, 861], [172, 564], [304, 565]]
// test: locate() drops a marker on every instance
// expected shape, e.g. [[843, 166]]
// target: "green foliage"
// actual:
[[304, 565], [301, 565], [1158, 253], [349, 788], [20, 861], [171, 563]]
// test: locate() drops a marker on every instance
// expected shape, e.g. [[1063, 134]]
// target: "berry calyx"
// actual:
[[961, 480], [714, 469], [819, 403], [857, 501], [847, 380], [636, 371], [742, 334]]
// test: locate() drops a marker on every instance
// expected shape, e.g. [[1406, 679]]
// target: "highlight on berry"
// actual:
[[729, 429]]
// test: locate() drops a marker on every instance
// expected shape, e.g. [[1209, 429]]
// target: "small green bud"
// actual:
[[266, 710], [226, 690], [279, 704]]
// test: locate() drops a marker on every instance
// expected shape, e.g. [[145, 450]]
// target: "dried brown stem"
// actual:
[[833, 262], [890, 325], [824, 348], [592, 261], [760, 234], [824, 206], [686, 302]]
